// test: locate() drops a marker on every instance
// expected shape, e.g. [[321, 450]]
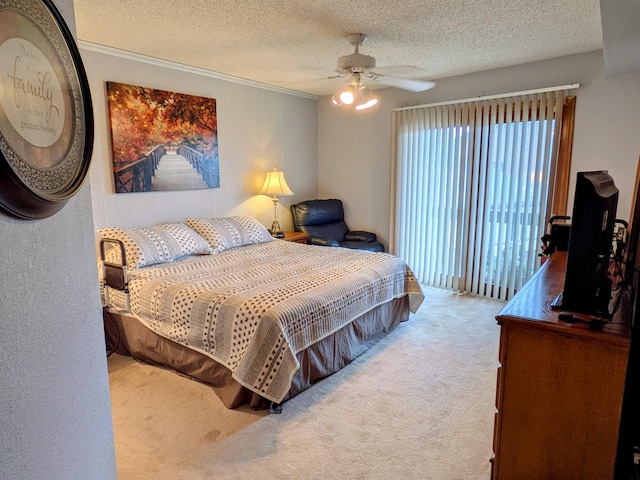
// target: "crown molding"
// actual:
[[116, 52]]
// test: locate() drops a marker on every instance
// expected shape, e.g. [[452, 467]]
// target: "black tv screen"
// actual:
[[587, 285]]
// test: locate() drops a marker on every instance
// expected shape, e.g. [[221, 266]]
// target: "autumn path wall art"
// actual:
[[162, 140]]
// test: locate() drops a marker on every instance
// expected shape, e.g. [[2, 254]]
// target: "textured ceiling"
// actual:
[[294, 44]]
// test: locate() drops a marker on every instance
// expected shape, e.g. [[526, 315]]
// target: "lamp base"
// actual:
[[275, 229]]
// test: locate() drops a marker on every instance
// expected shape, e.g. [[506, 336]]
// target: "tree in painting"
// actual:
[[162, 140]]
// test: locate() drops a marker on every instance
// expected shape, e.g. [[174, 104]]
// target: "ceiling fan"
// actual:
[[358, 65], [365, 66]]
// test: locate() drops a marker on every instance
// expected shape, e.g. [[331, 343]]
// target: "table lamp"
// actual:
[[276, 185]]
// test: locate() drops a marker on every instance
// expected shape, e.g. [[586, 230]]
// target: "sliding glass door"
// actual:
[[473, 188]]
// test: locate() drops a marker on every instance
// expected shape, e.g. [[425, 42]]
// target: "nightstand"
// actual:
[[296, 237]]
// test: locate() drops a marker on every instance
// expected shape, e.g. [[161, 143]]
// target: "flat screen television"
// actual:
[[587, 284]]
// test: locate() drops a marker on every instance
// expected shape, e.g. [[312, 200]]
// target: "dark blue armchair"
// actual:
[[324, 221]]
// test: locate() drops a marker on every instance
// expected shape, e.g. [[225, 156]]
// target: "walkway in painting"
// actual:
[[174, 172]]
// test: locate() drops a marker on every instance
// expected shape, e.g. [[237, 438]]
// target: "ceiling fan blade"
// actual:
[[404, 83], [400, 71]]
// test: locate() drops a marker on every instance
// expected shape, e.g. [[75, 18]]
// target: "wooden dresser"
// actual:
[[560, 387]]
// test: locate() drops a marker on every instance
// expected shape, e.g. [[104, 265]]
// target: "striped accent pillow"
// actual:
[[146, 246], [223, 233]]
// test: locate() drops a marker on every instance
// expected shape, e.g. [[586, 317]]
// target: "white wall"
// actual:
[[257, 129], [55, 414], [354, 149]]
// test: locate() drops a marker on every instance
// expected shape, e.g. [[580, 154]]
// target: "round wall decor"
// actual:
[[46, 116]]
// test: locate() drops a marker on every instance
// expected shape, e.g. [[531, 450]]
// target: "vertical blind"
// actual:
[[472, 184]]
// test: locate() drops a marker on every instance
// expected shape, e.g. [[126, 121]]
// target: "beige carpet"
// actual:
[[418, 405]]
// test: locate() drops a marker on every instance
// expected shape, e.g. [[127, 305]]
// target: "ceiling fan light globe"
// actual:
[[347, 97], [355, 95], [370, 103], [365, 99]]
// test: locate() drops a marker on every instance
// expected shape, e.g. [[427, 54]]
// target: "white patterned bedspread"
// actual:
[[253, 308]]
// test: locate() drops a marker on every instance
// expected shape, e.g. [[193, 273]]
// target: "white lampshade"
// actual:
[[275, 184]]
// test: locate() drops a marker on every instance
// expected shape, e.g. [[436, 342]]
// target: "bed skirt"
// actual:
[[126, 335]]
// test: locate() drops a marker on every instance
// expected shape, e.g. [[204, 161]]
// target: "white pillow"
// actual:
[[151, 245], [223, 233]]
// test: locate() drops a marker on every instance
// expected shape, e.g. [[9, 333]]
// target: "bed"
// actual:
[[258, 319]]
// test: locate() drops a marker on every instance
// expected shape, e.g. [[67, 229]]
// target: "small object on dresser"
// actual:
[[567, 317]]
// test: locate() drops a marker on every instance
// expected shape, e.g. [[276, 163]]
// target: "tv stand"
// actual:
[[560, 386]]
